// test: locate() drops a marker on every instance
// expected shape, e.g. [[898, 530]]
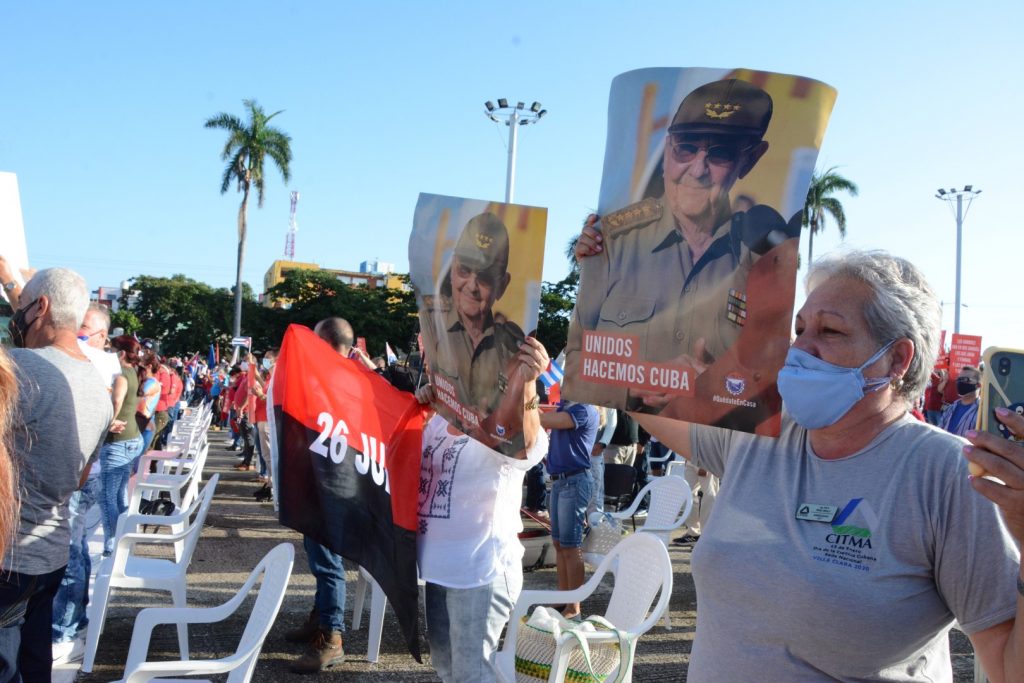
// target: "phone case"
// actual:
[[1002, 386]]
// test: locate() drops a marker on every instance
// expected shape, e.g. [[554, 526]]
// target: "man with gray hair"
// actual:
[[64, 411]]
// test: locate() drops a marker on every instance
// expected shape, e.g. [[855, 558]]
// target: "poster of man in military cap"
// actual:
[[686, 312], [476, 268]]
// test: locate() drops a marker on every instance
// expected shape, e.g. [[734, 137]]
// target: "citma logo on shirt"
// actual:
[[849, 542], [850, 534]]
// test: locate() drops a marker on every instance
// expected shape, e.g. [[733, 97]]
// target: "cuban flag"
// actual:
[[389, 352], [552, 378]]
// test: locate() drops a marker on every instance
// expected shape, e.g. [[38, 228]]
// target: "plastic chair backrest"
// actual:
[[644, 568], [276, 568], [670, 499], [187, 545], [676, 468]]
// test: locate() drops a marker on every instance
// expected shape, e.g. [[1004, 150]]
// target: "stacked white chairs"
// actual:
[[126, 568], [642, 571], [275, 569]]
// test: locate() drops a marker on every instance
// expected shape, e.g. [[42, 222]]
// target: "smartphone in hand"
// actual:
[[1002, 386]]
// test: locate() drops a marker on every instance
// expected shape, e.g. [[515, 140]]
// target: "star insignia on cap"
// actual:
[[484, 241], [718, 110]]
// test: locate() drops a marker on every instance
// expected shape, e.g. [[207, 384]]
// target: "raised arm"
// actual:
[[1001, 647], [673, 433]]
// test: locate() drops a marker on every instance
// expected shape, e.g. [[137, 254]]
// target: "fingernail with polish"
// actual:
[[970, 433], [1002, 412]]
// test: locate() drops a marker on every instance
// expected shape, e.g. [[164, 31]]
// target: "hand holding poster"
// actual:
[[12, 230], [476, 268], [686, 312], [346, 457]]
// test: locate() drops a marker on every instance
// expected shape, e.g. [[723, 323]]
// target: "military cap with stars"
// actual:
[[729, 107], [483, 243]]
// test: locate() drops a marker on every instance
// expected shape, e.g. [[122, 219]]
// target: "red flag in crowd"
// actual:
[[347, 446]]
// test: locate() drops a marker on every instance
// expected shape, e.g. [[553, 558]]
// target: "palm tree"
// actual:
[[246, 148], [821, 203]]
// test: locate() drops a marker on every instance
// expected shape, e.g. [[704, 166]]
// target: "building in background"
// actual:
[[280, 269], [376, 266]]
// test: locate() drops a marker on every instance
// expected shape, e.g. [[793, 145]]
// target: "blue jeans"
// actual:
[[329, 572], [117, 459], [26, 615], [568, 508], [73, 595], [596, 502], [464, 624]]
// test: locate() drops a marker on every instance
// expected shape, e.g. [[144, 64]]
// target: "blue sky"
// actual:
[[103, 106]]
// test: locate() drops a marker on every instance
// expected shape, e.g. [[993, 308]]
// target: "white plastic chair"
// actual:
[[125, 569], [669, 507], [181, 487], [378, 601], [643, 572], [275, 568]]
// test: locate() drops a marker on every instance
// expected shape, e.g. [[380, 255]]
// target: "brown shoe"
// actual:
[[324, 652], [308, 630]]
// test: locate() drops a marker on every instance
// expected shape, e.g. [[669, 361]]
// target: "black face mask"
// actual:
[[966, 386], [17, 327]]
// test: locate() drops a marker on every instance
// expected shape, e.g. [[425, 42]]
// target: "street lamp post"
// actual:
[[950, 196], [513, 116]]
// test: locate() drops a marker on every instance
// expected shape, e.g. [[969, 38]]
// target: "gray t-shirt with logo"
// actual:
[[64, 411], [869, 595]]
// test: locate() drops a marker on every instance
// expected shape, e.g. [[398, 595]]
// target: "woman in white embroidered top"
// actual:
[[468, 547], [847, 547]]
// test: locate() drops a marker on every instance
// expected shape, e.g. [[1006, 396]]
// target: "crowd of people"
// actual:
[[913, 543]]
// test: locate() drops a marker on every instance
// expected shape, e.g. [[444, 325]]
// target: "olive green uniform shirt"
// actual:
[[646, 283], [480, 374]]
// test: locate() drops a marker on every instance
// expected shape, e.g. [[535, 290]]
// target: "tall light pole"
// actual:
[[513, 116], [951, 195]]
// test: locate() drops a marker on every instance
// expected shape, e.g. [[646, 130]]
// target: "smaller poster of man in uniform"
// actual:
[[475, 270]]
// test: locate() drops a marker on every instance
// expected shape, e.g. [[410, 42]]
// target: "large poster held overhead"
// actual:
[[686, 312]]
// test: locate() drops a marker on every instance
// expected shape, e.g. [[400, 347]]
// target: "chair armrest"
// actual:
[[659, 528]]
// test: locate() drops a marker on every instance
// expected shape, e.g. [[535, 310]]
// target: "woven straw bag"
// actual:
[[537, 637]]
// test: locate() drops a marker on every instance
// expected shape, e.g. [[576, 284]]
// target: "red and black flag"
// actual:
[[347, 448]]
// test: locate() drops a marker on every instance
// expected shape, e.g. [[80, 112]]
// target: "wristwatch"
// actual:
[[9, 287]]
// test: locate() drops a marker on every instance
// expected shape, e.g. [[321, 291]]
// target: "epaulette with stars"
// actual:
[[633, 216]]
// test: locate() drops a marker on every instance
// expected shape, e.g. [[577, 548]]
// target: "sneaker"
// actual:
[[324, 652], [307, 630], [69, 650], [687, 539]]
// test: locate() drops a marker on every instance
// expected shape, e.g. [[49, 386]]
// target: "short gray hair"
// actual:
[[902, 306], [102, 311], [67, 292]]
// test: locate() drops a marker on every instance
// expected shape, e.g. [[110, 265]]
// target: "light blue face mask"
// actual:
[[817, 393], [267, 363]]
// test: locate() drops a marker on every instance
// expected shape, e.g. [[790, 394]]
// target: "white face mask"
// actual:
[[267, 363], [244, 366]]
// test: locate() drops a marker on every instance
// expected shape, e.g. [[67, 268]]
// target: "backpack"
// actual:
[[156, 506]]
